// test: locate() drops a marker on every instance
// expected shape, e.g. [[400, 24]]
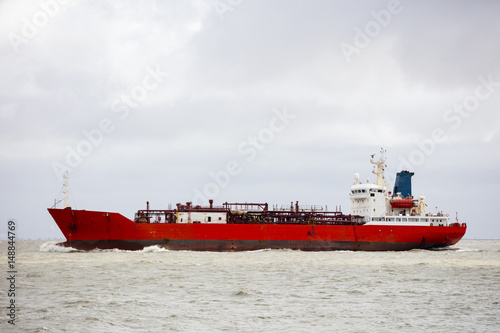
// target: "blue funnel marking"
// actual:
[[403, 183]]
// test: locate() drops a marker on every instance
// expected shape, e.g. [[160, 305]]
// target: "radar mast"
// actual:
[[378, 168], [66, 190]]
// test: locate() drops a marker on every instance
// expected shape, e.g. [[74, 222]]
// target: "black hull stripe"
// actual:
[[247, 245]]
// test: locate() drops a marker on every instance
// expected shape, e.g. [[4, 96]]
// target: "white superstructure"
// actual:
[[378, 205]]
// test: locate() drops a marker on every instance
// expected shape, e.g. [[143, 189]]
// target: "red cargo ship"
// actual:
[[375, 224]]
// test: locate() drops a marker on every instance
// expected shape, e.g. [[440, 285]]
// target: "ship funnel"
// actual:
[[403, 184]]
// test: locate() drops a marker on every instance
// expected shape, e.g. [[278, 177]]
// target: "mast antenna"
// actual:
[[378, 168], [66, 190]]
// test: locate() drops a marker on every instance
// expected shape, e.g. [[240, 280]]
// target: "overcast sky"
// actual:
[[257, 101]]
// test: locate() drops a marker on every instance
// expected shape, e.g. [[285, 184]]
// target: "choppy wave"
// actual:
[[464, 249], [107, 251], [153, 249], [265, 290], [457, 249], [149, 249], [54, 247]]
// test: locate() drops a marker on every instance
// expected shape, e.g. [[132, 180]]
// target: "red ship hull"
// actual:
[[88, 230]]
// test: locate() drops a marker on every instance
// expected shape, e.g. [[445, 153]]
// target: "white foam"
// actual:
[[153, 249], [114, 250], [464, 249], [54, 247]]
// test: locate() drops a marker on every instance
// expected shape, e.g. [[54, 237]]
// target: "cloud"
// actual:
[[226, 76]]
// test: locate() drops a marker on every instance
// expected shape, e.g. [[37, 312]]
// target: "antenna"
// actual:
[[378, 168], [66, 190], [55, 203]]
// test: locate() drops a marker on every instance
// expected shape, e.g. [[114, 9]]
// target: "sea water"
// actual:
[[154, 290]]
